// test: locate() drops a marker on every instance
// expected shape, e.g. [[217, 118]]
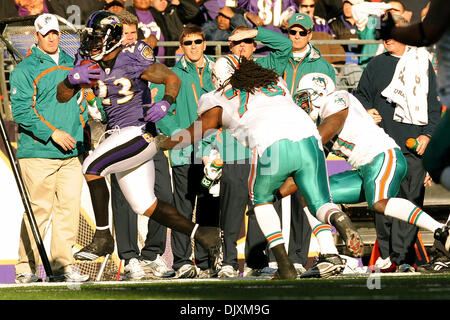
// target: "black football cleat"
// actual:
[[443, 235], [101, 245], [210, 238], [326, 266], [286, 273], [440, 263], [348, 232]]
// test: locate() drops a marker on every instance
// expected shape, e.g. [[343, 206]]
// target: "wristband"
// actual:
[[69, 85], [168, 98]]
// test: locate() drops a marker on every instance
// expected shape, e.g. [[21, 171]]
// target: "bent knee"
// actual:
[[141, 207], [379, 206]]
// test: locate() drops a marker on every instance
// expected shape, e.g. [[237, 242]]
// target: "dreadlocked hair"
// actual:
[[250, 76]]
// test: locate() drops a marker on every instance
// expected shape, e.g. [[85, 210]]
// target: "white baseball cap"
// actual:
[[46, 22]]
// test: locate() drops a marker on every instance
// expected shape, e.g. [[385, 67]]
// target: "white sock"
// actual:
[[323, 234], [405, 210], [324, 213], [269, 223]]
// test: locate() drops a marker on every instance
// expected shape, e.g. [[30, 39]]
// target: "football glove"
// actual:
[[156, 111], [83, 74]]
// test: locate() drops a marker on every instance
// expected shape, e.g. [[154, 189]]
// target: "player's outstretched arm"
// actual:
[[332, 125], [211, 119], [161, 74], [429, 31]]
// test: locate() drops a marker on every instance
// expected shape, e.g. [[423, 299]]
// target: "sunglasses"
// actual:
[[301, 32], [222, 15], [189, 42], [247, 41]]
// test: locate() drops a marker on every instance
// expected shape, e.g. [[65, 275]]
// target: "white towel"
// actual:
[[361, 12], [409, 87]]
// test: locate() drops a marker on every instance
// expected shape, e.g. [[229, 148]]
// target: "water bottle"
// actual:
[[93, 110], [412, 144], [212, 173], [90, 97]]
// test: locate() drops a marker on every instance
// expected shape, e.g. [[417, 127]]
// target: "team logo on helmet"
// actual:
[[312, 90], [112, 20], [319, 82]]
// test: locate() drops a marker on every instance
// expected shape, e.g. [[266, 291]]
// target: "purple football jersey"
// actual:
[[270, 11], [121, 88]]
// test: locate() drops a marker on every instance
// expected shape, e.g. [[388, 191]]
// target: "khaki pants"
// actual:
[[54, 187]]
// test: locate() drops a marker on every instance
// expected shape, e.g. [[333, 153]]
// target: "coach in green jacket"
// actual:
[[304, 58], [51, 142]]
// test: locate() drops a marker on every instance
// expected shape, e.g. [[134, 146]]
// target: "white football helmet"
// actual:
[[223, 69], [312, 91]]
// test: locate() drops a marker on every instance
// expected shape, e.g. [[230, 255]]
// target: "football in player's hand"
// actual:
[[94, 66]]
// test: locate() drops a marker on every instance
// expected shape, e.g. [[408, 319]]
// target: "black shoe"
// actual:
[[440, 263], [348, 232], [101, 245], [210, 238], [443, 235], [326, 266], [286, 269], [285, 275]]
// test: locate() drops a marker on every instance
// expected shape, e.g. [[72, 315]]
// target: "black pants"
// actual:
[[234, 200], [187, 188], [396, 238], [125, 219]]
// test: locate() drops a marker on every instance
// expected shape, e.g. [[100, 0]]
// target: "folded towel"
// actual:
[[409, 87], [361, 12]]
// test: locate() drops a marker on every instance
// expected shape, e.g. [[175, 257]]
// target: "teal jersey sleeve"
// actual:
[[281, 48]]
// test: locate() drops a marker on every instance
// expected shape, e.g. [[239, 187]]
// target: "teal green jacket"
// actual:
[[281, 50], [35, 109], [183, 112], [312, 62]]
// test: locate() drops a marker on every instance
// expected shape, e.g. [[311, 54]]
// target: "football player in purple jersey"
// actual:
[[122, 84]]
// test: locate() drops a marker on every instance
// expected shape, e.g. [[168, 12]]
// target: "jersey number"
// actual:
[[270, 11], [125, 91]]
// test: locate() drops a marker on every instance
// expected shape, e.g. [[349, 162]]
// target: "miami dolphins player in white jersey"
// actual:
[[254, 105], [380, 165]]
